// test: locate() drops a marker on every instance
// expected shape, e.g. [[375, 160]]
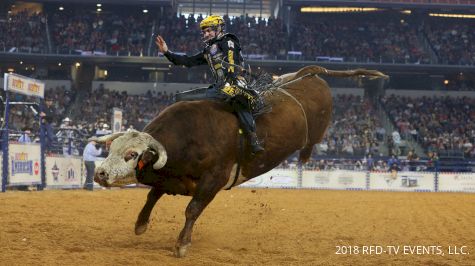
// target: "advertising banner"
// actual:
[[460, 182], [402, 181], [24, 164], [276, 178], [24, 85], [63, 172], [116, 120], [337, 179]]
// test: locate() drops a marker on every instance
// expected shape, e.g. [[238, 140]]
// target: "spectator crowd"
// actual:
[[387, 36], [439, 124]]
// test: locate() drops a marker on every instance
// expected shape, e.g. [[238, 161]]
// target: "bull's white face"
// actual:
[[118, 168]]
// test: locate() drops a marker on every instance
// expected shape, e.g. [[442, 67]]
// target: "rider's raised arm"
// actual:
[[184, 60]]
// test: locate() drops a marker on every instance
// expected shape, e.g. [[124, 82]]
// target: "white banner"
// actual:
[[63, 172], [117, 120], [24, 85], [463, 182], [276, 178], [402, 181], [24, 163], [337, 179]]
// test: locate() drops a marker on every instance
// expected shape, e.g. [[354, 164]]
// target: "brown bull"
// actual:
[[192, 148]]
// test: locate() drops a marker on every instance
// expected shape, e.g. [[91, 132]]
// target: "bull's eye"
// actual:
[[131, 156]]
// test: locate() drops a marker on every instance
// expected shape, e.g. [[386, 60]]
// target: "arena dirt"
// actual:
[[241, 226]]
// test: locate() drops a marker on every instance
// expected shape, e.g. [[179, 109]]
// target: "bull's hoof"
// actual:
[[180, 251], [140, 228]]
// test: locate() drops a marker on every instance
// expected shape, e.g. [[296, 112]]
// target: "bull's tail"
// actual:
[[310, 71], [318, 70]]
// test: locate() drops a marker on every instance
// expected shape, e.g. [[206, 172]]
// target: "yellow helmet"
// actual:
[[212, 21]]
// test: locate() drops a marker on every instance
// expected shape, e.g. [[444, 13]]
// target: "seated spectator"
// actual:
[[25, 136]]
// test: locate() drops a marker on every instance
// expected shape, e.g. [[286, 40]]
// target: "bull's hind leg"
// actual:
[[205, 192], [142, 221], [305, 154]]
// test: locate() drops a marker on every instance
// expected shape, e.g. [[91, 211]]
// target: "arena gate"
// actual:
[[25, 164]]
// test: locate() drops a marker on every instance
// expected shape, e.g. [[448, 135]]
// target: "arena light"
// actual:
[[408, 12], [11, 70], [451, 15], [78, 64], [21, 62], [337, 9], [99, 9], [59, 64], [145, 11], [98, 5], [61, 8]]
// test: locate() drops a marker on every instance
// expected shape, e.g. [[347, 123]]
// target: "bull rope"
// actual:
[[303, 111]]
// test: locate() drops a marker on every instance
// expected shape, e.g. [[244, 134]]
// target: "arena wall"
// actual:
[[67, 172], [363, 180], [430, 93], [137, 88]]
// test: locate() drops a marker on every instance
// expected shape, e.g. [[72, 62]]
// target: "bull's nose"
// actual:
[[101, 176]]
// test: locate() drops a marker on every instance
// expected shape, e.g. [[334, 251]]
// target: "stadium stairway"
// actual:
[[408, 141]]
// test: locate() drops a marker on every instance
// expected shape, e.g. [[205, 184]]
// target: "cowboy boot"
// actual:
[[255, 144]]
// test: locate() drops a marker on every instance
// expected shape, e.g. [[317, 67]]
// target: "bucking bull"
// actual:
[[193, 148]]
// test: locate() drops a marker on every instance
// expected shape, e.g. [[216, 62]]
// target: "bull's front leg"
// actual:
[[144, 215], [205, 192]]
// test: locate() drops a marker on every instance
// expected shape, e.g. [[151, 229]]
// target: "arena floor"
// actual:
[[241, 226]]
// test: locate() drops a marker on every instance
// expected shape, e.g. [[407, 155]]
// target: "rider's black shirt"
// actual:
[[221, 56]]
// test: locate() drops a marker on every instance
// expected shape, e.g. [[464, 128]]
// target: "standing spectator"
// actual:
[[47, 116], [397, 142], [91, 152]]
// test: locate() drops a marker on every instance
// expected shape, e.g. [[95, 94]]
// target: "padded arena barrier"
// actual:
[[456, 182], [402, 181], [338, 179], [64, 172], [276, 178], [24, 161], [68, 172]]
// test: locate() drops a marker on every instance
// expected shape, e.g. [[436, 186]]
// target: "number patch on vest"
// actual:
[[213, 50]]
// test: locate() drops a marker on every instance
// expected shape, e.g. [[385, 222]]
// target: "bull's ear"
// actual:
[[106, 138]]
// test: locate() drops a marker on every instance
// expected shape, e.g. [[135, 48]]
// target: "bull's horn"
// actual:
[[162, 154], [106, 138]]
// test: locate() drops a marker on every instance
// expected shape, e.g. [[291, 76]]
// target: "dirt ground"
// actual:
[[240, 227]]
